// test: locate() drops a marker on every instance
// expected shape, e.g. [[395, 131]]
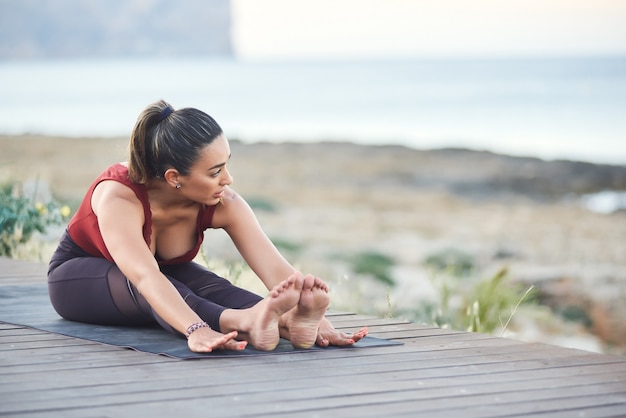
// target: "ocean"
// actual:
[[547, 108]]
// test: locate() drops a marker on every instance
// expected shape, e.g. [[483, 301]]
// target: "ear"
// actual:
[[172, 177]]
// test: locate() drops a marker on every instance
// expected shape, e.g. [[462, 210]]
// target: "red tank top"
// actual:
[[85, 231]]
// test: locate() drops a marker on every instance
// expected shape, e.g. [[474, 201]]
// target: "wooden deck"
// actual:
[[435, 373]]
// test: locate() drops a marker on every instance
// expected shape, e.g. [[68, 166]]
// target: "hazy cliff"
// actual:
[[33, 29]]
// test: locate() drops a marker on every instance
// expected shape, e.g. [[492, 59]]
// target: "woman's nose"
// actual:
[[226, 177]]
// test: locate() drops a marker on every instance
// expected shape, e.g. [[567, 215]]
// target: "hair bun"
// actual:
[[165, 113]]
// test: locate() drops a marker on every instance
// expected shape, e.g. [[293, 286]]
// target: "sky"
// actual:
[[304, 29]]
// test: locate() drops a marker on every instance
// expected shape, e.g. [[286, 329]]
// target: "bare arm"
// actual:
[[123, 237], [237, 218]]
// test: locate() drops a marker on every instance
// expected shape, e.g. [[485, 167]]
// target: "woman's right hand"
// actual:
[[205, 340]]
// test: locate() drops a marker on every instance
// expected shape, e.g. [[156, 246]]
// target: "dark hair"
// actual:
[[165, 138]]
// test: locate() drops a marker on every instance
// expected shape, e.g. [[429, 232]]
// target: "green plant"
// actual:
[[231, 270], [574, 313], [452, 261], [486, 305], [21, 217], [261, 204], [492, 300], [439, 311], [389, 304], [286, 245], [375, 264]]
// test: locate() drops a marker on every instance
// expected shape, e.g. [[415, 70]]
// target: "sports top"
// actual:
[[84, 230]]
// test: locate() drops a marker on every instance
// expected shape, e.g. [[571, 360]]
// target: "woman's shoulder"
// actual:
[[114, 182], [116, 177], [117, 170], [229, 195], [111, 191], [232, 209]]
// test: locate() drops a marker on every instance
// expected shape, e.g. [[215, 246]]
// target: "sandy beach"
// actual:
[[327, 202]]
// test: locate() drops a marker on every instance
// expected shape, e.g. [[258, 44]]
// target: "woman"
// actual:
[[126, 257]]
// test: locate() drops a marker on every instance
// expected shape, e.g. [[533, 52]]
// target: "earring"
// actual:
[[178, 186]]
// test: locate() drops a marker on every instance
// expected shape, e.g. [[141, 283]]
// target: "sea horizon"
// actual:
[[548, 108]]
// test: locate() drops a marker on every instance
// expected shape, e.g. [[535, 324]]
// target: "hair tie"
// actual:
[[165, 113]]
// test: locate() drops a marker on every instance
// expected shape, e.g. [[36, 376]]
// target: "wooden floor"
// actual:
[[435, 373]]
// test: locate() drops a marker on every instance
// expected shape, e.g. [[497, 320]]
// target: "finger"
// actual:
[[226, 341]]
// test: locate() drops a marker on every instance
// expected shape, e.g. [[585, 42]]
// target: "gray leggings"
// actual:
[[89, 289]]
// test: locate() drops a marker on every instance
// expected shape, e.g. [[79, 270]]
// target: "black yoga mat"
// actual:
[[30, 306]]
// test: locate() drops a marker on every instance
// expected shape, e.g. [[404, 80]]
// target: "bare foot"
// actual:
[[303, 321], [263, 331]]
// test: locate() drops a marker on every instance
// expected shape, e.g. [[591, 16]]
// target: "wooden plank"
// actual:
[[16, 331], [12, 266], [222, 389], [482, 408], [255, 395], [50, 354], [35, 336], [264, 370], [601, 411], [309, 399], [46, 379], [384, 355], [190, 387], [435, 372], [236, 381], [358, 355], [503, 383]]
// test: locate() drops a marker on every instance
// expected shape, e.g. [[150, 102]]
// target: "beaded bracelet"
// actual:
[[193, 327]]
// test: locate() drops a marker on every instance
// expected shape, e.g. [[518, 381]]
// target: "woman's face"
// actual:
[[209, 177]]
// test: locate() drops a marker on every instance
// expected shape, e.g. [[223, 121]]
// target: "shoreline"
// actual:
[[330, 142], [468, 173]]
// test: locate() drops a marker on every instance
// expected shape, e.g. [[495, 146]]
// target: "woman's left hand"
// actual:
[[328, 335]]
